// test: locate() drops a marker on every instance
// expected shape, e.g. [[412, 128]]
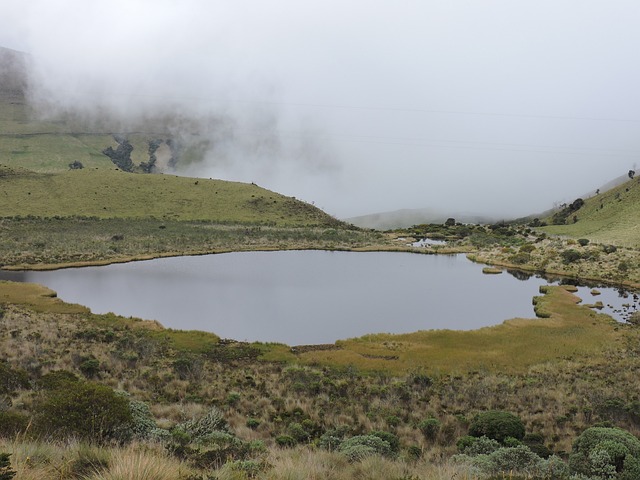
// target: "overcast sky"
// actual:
[[496, 106]]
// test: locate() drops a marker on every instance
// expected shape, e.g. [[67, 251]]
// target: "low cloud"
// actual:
[[494, 107]]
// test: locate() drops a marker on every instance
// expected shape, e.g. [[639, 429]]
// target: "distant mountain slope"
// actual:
[[13, 76], [409, 217], [50, 145], [610, 217]]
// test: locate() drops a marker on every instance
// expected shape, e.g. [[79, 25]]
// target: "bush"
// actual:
[[570, 256], [497, 425], [514, 462], [473, 446], [57, 379], [12, 379], [520, 258], [298, 432], [515, 459], [332, 439], [12, 423], [286, 441], [90, 367], [142, 425], [361, 446], [85, 410], [6, 472], [253, 423], [212, 421], [430, 428], [605, 452], [583, 242], [391, 438]]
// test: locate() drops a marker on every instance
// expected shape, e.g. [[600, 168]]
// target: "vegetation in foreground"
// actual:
[[88, 396]]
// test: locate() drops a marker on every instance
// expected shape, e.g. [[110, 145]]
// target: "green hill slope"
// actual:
[[611, 217], [50, 143], [116, 194]]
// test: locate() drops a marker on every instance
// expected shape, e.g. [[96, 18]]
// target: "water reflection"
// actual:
[[302, 297], [520, 275], [428, 242]]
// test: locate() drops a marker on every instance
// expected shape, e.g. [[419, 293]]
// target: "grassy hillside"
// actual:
[[112, 193], [612, 217]]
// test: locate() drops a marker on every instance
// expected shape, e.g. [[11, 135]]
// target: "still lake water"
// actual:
[[302, 297]]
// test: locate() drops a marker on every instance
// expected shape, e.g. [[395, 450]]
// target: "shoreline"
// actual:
[[40, 267]]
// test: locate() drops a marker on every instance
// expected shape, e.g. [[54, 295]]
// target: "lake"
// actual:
[[304, 297]]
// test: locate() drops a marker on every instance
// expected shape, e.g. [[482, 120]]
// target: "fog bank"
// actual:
[[500, 108]]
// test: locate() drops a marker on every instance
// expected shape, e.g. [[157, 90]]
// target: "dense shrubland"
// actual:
[[150, 398]]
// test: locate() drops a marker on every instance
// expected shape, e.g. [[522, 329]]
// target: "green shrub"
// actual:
[[527, 248], [90, 367], [84, 410], [216, 449], [605, 452], [57, 379], [253, 423], [473, 446], [520, 258], [286, 441], [188, 367], [250, 468], [514, 463], [570, 256], [298, 432], [361, 446], [6, 472], [583, 242], [332, 439], [12, 379], [430, 428], [497, 425], [12, 423], [391, 438], [514, 459], [212, 421], [232, 399], [142, 425]]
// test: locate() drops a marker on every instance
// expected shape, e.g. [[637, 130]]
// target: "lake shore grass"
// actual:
[[569, 331]]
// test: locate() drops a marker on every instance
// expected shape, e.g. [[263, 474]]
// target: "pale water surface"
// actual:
[[302, 297]]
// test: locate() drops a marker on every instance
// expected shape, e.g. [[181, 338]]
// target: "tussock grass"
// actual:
[[38, 460], [136, 463]]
